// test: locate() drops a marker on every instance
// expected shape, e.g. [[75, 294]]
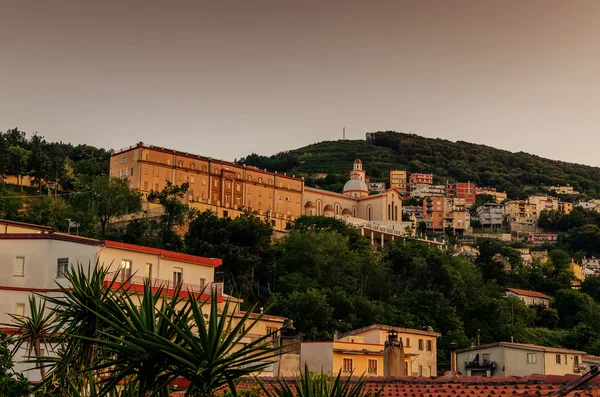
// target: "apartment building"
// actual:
[[464, 190], [521, 215], [420, 190], [223, 187], [590, 205], [442, 213], [33, 263], [491, 215], [415, 211], [565, 207], [361, 352], [542, 203], [519, 359], [418, 178], [563, 190], [398, 180], [499, 197]]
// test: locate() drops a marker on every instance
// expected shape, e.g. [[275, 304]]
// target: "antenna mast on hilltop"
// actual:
[[344, 133]]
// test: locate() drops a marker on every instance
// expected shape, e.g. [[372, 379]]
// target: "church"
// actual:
[[354, 203]]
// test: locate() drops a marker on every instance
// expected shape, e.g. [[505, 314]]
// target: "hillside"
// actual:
[[518, 174]]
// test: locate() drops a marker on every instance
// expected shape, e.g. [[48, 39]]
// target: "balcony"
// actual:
[[136, 284], [484, 365]]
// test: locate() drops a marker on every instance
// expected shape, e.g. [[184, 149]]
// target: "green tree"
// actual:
[[175, 212], [311, 313], [108, 198], [244, 244], [11, 383], [305, 223], [573, 307], [18, 160], [591, 286]]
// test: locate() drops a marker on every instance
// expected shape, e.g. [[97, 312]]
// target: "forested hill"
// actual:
[[519, 174]]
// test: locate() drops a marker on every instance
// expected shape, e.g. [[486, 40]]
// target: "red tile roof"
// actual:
[[525, 292], [177, 256], [458, 386]]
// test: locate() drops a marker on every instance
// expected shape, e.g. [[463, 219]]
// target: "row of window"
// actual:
[[62, 265], [372, 367]]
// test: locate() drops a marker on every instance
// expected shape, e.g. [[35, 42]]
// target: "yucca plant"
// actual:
[[35, 331], [113, 340], [319, 385]]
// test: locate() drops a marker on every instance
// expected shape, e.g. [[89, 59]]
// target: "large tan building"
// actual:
[[223, 187], [361, 352], [228, 189]]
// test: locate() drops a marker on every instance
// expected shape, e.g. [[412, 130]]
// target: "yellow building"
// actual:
[[398, 180], [223, 187], [361, 352], [577, 270]]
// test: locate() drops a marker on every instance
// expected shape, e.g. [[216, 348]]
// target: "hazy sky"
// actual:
[[226, 78]]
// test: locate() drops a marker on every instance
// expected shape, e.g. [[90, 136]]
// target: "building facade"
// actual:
[[361, 352], [398, 180], [442, 213], [463, 190], [518, 359], [499, 197], [491, 215], [223, 187], [421, 178], [530, 298]]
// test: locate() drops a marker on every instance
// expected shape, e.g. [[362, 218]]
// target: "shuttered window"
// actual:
[[19, 266]]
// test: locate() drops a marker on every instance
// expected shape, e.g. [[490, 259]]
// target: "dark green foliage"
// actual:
[[591, 286], [244, 244], [356, 241], [11, 384]]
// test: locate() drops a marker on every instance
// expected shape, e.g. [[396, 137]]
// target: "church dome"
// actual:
[[355, 185], [357, 161]]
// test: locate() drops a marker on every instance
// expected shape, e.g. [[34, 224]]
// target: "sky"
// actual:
[[228, 78]]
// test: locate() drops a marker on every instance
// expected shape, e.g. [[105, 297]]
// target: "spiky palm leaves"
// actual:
[[319, 385], [115, 339], [34, 330]]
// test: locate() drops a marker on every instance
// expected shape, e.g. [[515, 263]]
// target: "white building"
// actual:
[[491, 215], [519, 359], [529, 297], [35, 263]]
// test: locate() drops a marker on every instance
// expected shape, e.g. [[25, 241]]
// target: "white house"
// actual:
[[35, 263]]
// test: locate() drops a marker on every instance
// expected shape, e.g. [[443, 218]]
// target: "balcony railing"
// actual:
[[480, 365], [166, 284]]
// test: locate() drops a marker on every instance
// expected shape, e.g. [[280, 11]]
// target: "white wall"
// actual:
[[161, 268], [318, 356]]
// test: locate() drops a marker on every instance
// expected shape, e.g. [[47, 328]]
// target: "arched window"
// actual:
[[193, 166], [238, 175], [168, 161], [354, 212], [180, 164], [203, 168], [319, 212], [216, 171], [259, 179], [270, 181], [337, 209], [369, 213]]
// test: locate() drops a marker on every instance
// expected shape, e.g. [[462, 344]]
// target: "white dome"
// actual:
[[355, 185]]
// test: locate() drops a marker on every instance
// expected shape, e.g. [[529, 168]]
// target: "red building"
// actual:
[[465, 190], [421, 178]]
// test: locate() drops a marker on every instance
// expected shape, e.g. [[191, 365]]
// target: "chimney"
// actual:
[[288, 362], [335, 335], [453, 362], [393, 356]]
